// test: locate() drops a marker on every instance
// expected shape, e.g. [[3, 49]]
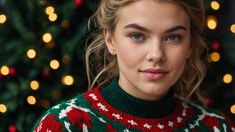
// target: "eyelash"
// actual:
[[176, 38], [141, 37], [137, 36]]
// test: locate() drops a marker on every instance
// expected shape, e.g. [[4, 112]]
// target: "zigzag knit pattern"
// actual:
[[89, 112]]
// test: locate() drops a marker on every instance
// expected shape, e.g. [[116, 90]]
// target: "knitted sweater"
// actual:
[[113, 110]]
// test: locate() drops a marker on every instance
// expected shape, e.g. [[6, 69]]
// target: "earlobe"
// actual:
[[109, 42]]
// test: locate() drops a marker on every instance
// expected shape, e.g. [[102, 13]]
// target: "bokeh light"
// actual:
[[34, 85], [31, 100], [31, 53], [49, 10], [4, 70], [67, 80], [3, 108], [227, 78], [232, 28], [212, 22], [52, 17], [215, 5], [54, 64], [3, 18], [215, 56], [232, 109], [47, 37]]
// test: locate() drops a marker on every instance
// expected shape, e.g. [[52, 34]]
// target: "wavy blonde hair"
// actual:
[[101, 66]]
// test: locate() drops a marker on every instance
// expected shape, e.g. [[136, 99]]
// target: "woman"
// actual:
[[146, 56]]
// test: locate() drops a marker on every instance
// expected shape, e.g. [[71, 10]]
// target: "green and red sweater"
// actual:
[[110, 109]]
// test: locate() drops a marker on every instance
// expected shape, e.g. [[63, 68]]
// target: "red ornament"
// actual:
[[78, 2], [216, 46], [12, 128], [12, 71]]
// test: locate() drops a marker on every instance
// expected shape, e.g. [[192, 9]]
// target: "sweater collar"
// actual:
[[129, 104]]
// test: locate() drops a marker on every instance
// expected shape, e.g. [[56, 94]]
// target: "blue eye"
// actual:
[[137, 36], [174, 38]]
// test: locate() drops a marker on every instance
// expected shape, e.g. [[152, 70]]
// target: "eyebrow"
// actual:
[[138, 27]]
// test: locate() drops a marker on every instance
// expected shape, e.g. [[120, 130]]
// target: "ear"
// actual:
[[109, 42]]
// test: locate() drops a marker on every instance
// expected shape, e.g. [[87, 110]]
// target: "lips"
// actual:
[[154, 74]]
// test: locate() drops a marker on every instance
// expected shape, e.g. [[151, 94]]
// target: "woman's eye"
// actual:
[[137, 36], [174, 38]]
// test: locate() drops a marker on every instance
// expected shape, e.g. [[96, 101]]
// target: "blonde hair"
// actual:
[[102, 67]]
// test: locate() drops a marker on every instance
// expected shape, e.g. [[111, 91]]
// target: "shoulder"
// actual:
[[210, 118], [62, 116]]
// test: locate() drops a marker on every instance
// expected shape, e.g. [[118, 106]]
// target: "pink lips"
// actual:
[[154, 74]]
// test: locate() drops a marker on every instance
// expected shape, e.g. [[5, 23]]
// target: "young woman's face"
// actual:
[[152, 43]]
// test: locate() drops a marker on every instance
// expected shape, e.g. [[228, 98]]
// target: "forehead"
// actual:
[[153, 14]]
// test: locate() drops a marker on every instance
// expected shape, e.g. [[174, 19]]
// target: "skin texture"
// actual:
[[152, 44]]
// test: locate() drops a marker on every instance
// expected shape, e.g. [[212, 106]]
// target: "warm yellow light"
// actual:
[[211, 22], [3, 18], [49, 10], [31, 100], [232, 28], [67, 80], [228, 78], [34, 85], [31, 53], [47, 37], [3, 108], [54, 64], [215, 5], [52, 17], [232, 109], [215, 56], [4, 70]]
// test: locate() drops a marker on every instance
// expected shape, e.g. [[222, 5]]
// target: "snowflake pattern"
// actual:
[[183, 115], [147, 126], [102, 107], [132, 122], [179, 119], [117, 116], [93, 96], [170, 123], [160, 126]]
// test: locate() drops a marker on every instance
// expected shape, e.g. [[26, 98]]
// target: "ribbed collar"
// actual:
[[129, 104]]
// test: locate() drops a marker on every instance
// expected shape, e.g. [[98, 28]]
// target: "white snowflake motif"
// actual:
[[126, 130], [160, 126], [179, 119], [170, 123], [147, 126], [102, 107], [117, 116], [93, 96], [191, 126], [56, 107], [132, 122], [186, 130]]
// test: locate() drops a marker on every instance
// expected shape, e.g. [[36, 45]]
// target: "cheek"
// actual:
[[129, 56]]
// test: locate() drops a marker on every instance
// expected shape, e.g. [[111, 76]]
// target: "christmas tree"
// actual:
[[41, 57]]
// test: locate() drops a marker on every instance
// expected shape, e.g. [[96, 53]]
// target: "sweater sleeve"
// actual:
[[64, 117]]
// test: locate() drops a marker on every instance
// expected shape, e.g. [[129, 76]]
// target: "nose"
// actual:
[[156, 53]]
